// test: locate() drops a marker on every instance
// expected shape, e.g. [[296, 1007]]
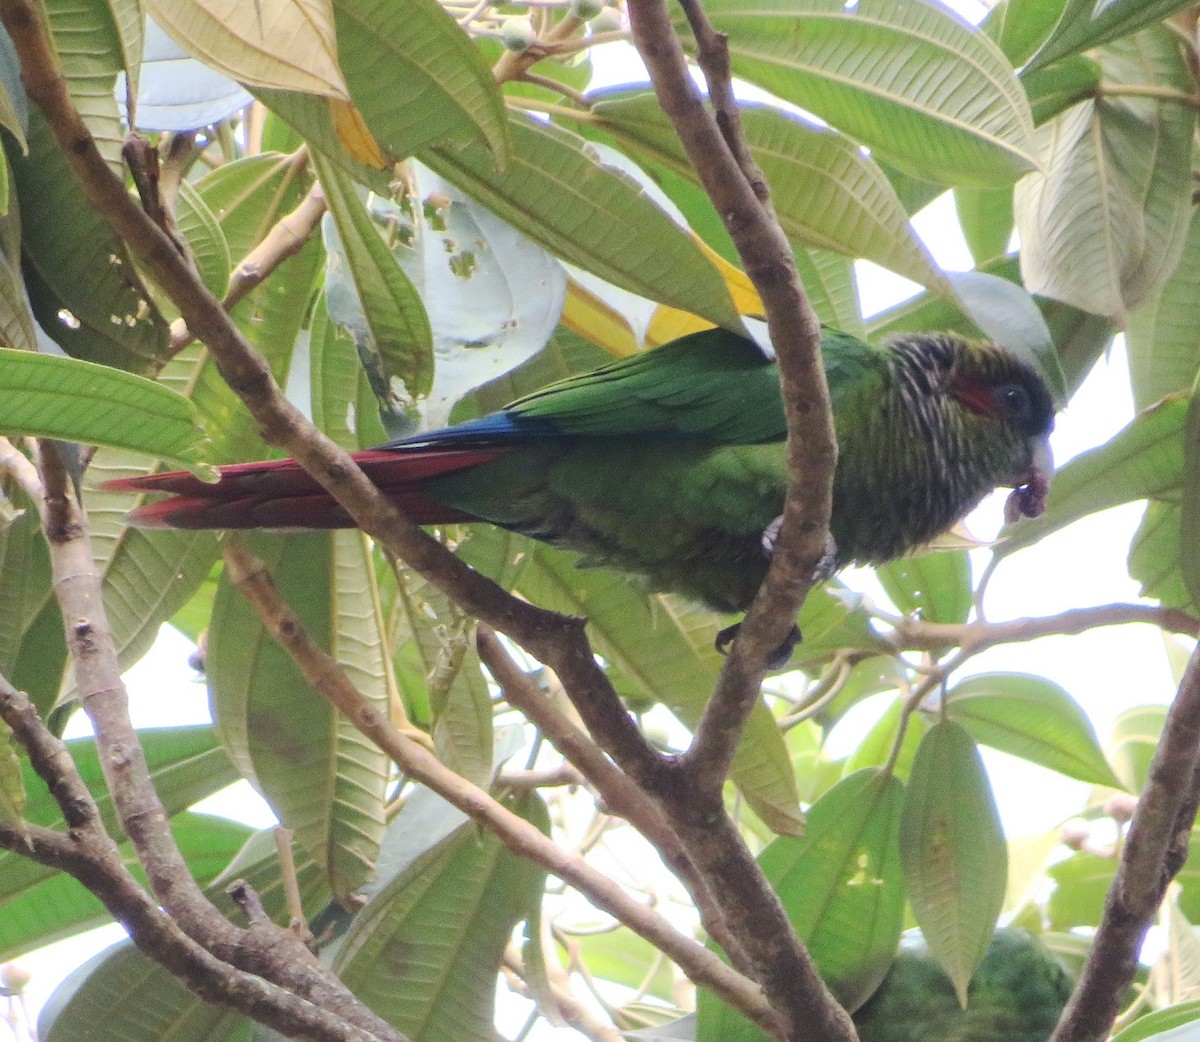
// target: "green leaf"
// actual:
[[621, 956], [417, 77], [425, 951], [1104, 227], [1081, 884], [826, 193], [876, 747], [12, 787], [1030, 717], [199, 225], [443, 636], [24, 579], [58, 907], [399, 327], [1144, 460], [105, 999], [80, 283], [935, 586], [1020, 26], [911, 81], [129, 23], [1059, 86], [952, 852], [1132, 743], [986, 218], [89, 47], [1086, 24], [16, 320], [1189, 517], [1083, 880], [14, 103], [840, 885], [1163, 337], [53, 397], [583, 209], [1161, 1024], [1156, 556], [186, 764], [320, 775]]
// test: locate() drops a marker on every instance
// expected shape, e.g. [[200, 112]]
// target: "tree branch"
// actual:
[[1154, 852], [779, 960], [743, 202], [322, 671], [619, 793], [278, 955], [89, 854]]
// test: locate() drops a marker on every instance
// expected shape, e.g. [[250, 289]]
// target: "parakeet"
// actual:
[[1017, 995], [670, 465]]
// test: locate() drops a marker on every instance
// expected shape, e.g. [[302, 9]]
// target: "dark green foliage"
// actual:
[[1016, 995]]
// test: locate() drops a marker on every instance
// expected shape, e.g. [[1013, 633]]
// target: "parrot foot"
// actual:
[[827, 566], [776, 660]]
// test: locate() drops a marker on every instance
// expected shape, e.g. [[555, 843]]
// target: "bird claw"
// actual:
[[770, 534], [776, 660], [827, 566]]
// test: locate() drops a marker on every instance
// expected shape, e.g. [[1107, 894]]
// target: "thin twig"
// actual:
[[285, 239], [973, 637]]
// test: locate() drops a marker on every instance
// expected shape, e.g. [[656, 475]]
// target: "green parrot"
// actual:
[[670, 465], [1017, 995]]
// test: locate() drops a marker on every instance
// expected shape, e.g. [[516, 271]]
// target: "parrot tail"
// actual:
[[278, 494]]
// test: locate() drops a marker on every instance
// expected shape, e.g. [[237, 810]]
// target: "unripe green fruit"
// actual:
[[518, 34], [606, 20], [585, 9]]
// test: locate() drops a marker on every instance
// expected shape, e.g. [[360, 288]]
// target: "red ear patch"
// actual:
[[974, 396]]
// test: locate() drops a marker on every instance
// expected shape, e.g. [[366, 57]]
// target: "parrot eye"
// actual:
[[1015, 400]]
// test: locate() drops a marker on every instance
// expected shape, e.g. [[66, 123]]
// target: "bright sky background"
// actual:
[[1106, 670]]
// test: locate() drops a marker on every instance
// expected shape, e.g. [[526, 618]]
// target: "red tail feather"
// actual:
[[279, 494]]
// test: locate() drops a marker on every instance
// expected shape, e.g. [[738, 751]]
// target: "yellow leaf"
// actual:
[[287, 44], [354, 135], [587, 315], [670, 323]]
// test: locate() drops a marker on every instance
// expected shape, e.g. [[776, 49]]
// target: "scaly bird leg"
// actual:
[[825, 569]]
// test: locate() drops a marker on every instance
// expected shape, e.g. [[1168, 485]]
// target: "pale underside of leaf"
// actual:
[[907, 79], [286, 44]]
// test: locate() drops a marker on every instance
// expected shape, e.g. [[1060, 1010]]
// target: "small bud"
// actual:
[[607, 20], [14, 977], [518, 34], [1074, 834], [585, 9], [1120, 807]]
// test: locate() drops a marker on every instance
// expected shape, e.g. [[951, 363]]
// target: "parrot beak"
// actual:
[[1030, 488]]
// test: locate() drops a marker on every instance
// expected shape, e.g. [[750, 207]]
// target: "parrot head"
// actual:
[[1008, 415]]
